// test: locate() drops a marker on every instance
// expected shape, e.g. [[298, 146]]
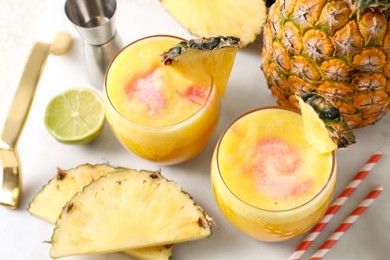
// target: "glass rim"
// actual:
[[321, 191], [204, 105]]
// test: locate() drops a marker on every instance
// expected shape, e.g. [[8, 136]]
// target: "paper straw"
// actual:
[[347, 223], [336, 205]]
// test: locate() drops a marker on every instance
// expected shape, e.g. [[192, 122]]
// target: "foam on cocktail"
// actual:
[[149, 93], [277, 165], [269, 166]]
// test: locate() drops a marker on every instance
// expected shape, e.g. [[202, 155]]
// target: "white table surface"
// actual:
[[22, 235]]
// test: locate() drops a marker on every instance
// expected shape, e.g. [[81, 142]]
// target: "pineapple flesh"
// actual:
[[128, 209], [213, 56], [325, 128], [50, 200], [339, 48], [243, 19], [48, 203]]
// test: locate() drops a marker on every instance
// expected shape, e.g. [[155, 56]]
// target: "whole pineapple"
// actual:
[[341, 48]]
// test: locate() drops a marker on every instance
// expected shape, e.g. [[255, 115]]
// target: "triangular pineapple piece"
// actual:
[[50, 200], [243, 19], [325, 127], [128, 209], [213, 56]]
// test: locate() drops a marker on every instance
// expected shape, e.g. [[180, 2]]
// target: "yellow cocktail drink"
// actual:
[[156, 112], [267, 179]]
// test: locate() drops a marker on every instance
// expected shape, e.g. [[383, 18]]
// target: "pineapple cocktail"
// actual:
[[155, 110], [268, 180]]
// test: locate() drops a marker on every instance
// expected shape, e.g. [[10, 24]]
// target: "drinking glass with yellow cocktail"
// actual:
[[268, 180], [163, 111]]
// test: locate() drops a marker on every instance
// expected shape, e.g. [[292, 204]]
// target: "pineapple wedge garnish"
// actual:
[[212, 56], [128, 209], [325, 128], [243, 19], [50, 200]]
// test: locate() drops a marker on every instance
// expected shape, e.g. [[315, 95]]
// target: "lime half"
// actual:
[[75, 116]]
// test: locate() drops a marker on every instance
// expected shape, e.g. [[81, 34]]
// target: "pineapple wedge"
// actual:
[[325, 128], [50, 200], [243, 19], [213, 56], [128, 209]]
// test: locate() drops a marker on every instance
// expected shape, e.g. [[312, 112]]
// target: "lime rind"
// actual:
[[75, 116]]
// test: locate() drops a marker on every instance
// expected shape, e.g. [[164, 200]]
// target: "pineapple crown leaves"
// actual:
[[337, 127], [202, 44]]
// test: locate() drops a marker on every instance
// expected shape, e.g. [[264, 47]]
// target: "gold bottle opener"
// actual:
[[11, 189]]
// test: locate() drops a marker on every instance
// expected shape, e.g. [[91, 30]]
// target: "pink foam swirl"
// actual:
[[276, 167], [147, 88]]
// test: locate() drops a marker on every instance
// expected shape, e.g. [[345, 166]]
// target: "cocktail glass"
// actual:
[[267, 180], [154, 111]]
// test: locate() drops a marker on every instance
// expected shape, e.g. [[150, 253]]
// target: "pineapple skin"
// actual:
[[202, 44], [334, 47]]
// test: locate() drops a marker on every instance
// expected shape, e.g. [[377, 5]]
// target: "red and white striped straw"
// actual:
[[336, 205], [347, 223]]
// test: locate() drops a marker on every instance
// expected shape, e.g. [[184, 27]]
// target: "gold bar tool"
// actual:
[[11, 189]]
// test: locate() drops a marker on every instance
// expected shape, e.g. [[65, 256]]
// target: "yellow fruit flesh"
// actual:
[[48, 203], [62, 188], [315, 130], [126, 210], [218, 63], [243, 19], [151, 253]]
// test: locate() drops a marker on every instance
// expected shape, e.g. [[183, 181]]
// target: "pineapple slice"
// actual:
[[128, 209], [50, 200], [243, 19], [48, 203], [212, 56], [325, 128]]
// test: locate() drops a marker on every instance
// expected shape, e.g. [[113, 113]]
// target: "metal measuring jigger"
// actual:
[[94, 20]]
